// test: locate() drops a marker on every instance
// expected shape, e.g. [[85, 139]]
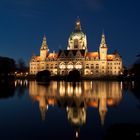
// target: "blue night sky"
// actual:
[[23, 24]]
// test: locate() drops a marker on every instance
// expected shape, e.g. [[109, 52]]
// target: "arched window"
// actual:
[[76, 43], [70, 65], [87, 65], [62, 65], [78, 65]]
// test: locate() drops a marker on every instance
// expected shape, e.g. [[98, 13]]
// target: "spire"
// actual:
[[43, 112], [103, 42], [33, 54], [78, 25], [102, 109], [102, 116], [43, 109], [44, 44]]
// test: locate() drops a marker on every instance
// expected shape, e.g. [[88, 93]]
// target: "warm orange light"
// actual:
[[78, 23], [93, 103], [110, 101], [51, 101], [37, 98]]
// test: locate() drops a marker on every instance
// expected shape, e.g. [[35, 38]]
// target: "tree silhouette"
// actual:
[[74, 76], [7, 68], [21, 67], [43, 76]]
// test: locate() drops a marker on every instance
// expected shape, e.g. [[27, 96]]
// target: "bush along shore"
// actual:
[[74, 76]]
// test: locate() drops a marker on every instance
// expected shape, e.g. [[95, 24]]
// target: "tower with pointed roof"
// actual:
[[78, 25], [103, 55], [44, 49], [103, 48], [102, 110]]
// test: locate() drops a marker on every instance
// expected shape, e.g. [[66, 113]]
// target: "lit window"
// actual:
[[87, 72], [62, 66], [70, 66], [87, 66], [78, 66]]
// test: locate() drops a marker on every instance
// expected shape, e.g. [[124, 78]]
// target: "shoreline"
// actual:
[[87, 78]]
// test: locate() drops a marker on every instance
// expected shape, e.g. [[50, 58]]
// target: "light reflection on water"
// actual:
[[90, 107], [76, 98]]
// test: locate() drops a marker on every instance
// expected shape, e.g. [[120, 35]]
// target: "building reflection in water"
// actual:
[[75, 98], [21, 83]]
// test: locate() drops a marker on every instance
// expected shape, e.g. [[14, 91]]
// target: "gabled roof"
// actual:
[[74, 52]]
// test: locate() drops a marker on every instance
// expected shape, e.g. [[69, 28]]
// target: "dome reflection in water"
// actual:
[[76, 98], [63, 110]]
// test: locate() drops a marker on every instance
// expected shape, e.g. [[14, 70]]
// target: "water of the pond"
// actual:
[[61, 110]]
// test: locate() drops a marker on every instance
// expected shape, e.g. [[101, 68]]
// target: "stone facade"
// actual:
[[77, 56]]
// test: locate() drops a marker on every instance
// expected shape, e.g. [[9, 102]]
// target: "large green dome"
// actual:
[[79, 34], [77, 39]]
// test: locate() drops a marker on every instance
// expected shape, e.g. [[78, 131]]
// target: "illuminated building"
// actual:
[[77, 56]]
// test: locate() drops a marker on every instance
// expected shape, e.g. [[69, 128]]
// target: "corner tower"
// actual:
[[44, 49], [103, 48], [103, 56], [77, 39]]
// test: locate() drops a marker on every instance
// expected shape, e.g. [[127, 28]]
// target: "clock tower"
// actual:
[[44, 49], [103, 48]]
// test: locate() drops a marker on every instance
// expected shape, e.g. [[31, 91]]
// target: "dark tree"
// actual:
[[134, 71], [21, 67], [74, 76], [43, 76], [7, 68], [125, 71]]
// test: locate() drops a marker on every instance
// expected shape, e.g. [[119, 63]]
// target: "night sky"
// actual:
[[23, 24]]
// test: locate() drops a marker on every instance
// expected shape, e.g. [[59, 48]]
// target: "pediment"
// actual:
[[78, 54], [70, 54], [62, 54]]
